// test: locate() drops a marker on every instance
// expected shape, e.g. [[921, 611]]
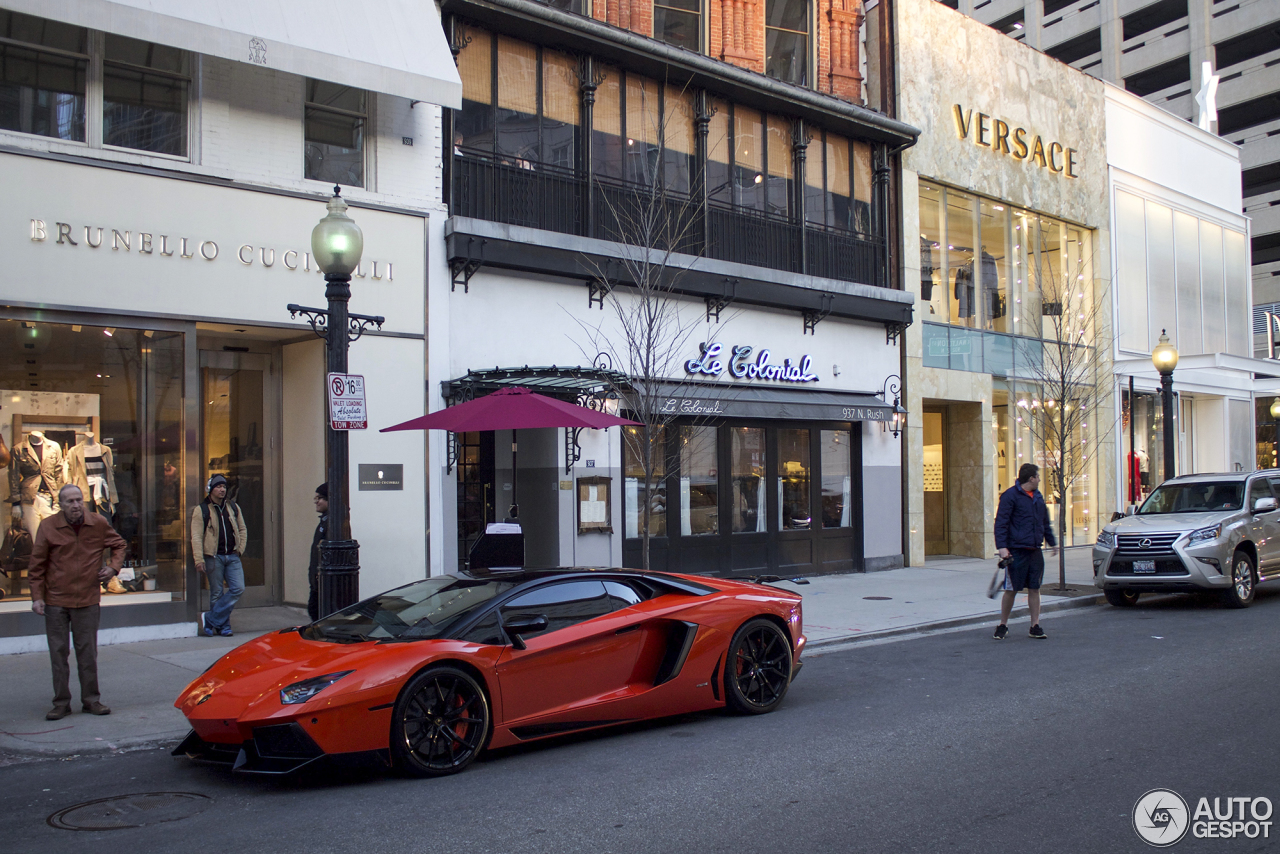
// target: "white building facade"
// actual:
[[164, 172]]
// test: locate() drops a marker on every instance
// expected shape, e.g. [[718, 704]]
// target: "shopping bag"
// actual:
[[996, 584]]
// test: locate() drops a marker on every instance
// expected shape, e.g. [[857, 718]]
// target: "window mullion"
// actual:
[[94, 97]]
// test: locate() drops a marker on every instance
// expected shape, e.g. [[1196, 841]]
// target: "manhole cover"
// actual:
[[124, 811], [878, 598]]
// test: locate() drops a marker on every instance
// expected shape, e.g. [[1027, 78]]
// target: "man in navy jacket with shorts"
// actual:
[[1022, 524]]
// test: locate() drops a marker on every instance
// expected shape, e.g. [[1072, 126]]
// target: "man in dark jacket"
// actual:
[[313, 569], [1022, 524]]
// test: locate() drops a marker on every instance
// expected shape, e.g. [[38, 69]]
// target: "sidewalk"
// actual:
[[140, 680]]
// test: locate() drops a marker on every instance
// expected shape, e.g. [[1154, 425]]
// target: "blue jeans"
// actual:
[[226, 584]]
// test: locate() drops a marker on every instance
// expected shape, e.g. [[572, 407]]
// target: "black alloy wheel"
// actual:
[[1122, 598], [440, 723], [757, 670]]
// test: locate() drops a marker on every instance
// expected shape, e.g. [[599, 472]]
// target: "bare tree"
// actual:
[[1069, 411], [649, 330]]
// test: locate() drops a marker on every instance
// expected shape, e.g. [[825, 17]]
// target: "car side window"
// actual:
[[1275, 485], [564, 605], [622, 595], [1259, 487], [487, 631]]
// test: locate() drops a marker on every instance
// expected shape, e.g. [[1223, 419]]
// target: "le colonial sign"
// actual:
[[745, 363], [1009, 139], [157, 244]]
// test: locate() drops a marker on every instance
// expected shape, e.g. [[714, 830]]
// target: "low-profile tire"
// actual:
[[1122, 598], [439, 724], [757, 668], [1244, 581]]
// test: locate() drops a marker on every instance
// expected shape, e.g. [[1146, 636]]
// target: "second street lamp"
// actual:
[[1165, 358], [336, 245]]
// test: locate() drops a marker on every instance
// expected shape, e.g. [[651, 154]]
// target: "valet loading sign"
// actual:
[[347, 409]]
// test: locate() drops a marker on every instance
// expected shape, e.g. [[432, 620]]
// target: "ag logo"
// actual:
[[1160, 817]]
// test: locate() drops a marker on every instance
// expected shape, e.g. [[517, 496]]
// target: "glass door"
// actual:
[[238, 440]]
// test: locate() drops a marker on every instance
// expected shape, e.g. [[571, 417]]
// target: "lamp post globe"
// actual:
[[1275, 408], [1165, 358], [337, 242]]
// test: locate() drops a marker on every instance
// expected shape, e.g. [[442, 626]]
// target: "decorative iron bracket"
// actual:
[[597, 291], [317, 317], [812, 317], [572, 450], [892, 331], [452, 451], [715, 305], [358, 324], [461, 270]]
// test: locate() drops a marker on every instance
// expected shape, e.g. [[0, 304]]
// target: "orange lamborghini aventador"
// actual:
[[426, 676]]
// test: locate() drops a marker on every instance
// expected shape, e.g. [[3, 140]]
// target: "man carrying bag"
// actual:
[[1022, 524]]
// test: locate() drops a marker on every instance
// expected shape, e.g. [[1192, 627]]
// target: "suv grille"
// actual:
[[1145, 546]]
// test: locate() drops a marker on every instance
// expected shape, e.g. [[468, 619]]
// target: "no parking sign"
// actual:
[[346, 402]]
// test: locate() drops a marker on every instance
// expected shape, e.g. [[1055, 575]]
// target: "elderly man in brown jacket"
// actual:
[[66, 573]]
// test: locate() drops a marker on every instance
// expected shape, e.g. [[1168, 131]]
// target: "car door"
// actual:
[[1264, 527], [586, 655], [1272, 547]]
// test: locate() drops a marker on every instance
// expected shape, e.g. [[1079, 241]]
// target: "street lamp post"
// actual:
[[336, 245], [1165, 358]]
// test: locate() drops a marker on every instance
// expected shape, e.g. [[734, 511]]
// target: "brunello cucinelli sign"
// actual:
[[102, 238], [1017, 142]]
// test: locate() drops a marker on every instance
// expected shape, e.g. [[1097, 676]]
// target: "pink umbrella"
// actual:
[[511, 409]]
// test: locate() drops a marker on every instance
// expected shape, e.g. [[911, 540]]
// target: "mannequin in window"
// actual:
[[90, 466], [35, 476], [4, 453], [990, 284], [964, 290]]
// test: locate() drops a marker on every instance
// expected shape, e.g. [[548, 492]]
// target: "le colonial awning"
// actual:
[[770, 402], [396, 47]]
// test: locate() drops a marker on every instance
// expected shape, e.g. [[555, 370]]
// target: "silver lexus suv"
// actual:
[[1217, 532]]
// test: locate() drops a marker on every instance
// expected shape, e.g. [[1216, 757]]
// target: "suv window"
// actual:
[[1259, 487], [564, 605]]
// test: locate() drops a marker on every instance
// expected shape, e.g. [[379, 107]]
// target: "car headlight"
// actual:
[[1204, 534], [300, 692], [1106, 539]]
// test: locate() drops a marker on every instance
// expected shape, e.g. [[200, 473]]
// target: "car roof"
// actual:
[[1220, 476], [530, 574]]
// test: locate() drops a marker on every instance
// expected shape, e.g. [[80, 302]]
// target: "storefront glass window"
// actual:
[[793, 480], [636, 493], [837, 480], [933, 273], [719, 185], [42, 92], [993, 264], [108, 403], [517, 121], [1268, 433], [606, 128], [780, 167], [748, 158], [144, 96], [644, 130], [862, 188], [962, 288], [699, 491], [473, 124], [1143, 443], [560, 101], [678, 140], [747, 491]]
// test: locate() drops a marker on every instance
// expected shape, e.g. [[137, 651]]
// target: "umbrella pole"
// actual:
[[514, 445]]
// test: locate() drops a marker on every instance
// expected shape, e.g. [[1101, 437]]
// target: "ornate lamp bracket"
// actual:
[[317, 317]]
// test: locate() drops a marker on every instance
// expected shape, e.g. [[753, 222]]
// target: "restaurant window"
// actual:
[[679, 23], [793, 480], [837, 183], [837, 479], [786, 40], [44, 68], [748, 162], [699, 490], [719, 182], [746, 495], [636, 494], [144, 96], [779, 179], [108, 403], [517, 121], [560, 99], [607, 147], [643, 131], [678, 150], [473, 124], [335, 118]]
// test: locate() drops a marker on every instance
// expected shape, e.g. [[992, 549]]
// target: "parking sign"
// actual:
[[346, 402]]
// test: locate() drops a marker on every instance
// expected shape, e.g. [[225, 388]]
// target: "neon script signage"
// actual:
[[741, 366]]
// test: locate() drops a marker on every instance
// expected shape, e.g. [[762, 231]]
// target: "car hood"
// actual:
[[1156, 523]]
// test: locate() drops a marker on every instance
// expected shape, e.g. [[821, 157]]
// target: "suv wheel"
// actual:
[[1122, 598], [1243, 581]]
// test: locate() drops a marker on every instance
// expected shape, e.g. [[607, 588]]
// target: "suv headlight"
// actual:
[[300, 692], [1204, 534], [1106, 539]]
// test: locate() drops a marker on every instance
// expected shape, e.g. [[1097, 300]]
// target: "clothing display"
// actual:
[[35, 476], [91, 467], [964, 290], [926, 269]]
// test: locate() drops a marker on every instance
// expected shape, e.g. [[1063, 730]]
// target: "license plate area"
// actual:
[[1144, 567]]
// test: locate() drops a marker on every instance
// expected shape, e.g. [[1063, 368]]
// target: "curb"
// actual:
[[29, 752], [974, 619]]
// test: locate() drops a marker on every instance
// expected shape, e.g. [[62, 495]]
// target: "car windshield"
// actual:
[[419, 610], [1203, 497]]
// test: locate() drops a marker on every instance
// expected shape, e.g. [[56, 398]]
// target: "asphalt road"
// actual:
[[952, 742]]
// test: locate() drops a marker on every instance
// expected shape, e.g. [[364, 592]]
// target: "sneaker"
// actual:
[[225, 631], [204, 627], [1002, 631], [1037, 632]]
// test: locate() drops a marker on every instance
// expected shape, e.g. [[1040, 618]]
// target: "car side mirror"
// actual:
[[524, 624], [1264, 505]]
